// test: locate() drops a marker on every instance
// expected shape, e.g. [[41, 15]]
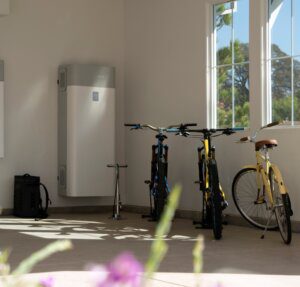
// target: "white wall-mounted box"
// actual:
[[86, 130], [4, 7]]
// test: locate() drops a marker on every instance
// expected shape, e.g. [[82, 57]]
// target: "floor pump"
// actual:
[[117, 199]]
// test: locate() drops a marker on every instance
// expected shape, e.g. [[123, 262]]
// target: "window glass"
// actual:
[[224, 96], [231, 73], [280, 22], [241, 32], [281, 90], [297, 90]]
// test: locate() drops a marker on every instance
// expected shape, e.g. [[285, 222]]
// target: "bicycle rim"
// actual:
[[282, 210], [216, 208], [162, 191], [253, 207]]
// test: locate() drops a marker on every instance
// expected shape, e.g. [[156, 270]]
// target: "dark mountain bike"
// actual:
[[158, 183], [214, 200]]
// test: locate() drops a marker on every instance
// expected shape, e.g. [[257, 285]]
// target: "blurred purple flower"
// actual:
[[47, 282], [122, 271]]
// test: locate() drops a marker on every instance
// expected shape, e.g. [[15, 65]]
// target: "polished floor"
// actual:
[[97, 239]]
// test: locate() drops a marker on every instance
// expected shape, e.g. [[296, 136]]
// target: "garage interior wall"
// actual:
[[162, 54], [37, 37], [165, 69]]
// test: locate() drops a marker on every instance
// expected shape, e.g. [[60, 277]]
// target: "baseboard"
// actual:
[[68, 210], [231, 219]]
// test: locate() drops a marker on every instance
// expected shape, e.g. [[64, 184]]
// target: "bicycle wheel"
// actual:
[[161, 193], [282, 209], [206, 206], [215, 199], [252, 204]]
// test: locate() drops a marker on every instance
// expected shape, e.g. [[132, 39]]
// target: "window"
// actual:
[[283, 61], [230, 65]]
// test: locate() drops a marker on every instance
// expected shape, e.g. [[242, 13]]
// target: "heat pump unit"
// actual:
[[86, 130]]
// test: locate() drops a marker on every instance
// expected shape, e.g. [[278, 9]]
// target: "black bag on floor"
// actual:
[[28, 199]]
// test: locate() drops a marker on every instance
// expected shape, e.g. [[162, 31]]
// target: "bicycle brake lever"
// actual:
[[136, 128]]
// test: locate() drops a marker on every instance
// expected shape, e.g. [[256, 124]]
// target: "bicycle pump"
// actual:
[[117, 198]]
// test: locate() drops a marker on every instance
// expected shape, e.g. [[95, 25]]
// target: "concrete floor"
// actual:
[[97, 239]]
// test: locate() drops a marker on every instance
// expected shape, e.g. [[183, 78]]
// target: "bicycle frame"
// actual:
[[263, 166], [158, 185], [209, 154]]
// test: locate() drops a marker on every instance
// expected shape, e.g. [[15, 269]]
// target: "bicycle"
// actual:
[[213, 199], [158, 184], [258, 190]]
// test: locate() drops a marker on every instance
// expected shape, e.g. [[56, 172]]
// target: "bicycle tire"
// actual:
[[161, 195], [215, 199], [282, 209], [238, 189]]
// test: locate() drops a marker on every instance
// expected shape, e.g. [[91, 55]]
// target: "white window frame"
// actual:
[[211, 56], [257, 63], [268, 71]]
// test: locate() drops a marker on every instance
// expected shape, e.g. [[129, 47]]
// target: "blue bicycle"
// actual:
[[158, 184]]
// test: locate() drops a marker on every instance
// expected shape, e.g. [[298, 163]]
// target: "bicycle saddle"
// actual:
[[265, 143]]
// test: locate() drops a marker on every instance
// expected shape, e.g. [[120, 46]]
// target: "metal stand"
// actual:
[[267, 225], [117, 199]]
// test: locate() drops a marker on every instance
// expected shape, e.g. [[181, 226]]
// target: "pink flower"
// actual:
[[124, 270], [47, 282]]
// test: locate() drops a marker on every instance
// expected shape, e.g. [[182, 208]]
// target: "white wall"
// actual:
[[165, 68], [35, 39], [164, 79]]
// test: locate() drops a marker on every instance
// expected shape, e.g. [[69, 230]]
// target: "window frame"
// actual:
[[211, 90], [268, 70]]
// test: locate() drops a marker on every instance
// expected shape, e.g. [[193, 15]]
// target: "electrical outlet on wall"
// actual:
[[4, 7]]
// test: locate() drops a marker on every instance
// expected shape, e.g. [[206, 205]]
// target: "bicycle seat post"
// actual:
[[117, 198]]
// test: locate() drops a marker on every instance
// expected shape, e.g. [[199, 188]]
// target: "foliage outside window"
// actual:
[[284, 60], [230, 67]]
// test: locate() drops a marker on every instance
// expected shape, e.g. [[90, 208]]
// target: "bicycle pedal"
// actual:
[[224, 204]]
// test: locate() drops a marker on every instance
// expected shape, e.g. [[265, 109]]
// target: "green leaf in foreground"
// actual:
[[198, 257], [27, 265], [159, 247]]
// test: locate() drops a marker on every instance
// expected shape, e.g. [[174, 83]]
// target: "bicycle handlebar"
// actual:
[[226, 131], [252, 138], [183, 125], [172, 128]]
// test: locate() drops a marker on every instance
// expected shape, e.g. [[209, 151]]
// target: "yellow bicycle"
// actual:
[[259, 192]]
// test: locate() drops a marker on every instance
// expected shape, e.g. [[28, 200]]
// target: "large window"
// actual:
[[284, 61], [230, 64]]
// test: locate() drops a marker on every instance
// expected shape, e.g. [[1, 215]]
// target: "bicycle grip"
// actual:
[[131, 125], [245, 139], [273, 124], [190, 125]]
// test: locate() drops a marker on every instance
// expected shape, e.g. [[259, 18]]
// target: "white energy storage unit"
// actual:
[[86, 130], [1, 109]]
